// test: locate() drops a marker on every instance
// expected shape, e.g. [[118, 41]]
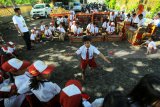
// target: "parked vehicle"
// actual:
[[40, 10]]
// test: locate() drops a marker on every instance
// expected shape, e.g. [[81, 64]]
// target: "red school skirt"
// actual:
[[90, 62]]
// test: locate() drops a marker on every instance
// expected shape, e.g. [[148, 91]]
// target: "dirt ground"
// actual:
[[128, 65]]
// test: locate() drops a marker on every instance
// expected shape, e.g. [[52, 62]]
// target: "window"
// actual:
[[47, 5], [38, 6]]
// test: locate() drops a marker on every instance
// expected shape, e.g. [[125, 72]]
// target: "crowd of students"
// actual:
[[26, 84], [29, 86]]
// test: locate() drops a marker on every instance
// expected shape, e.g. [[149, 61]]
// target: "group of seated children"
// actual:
[[31, 87], [46, 32]]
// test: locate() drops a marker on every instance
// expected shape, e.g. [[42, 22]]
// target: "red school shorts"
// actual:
[[91, 63]]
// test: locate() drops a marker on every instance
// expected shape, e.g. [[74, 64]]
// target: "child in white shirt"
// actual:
[[62, 32], [79, 31], [105, 24], [151, 47], [33, 36], [48, 33], [51, 27], [89, 26], [111, 29], [42, 27], [94, 30], [141, 21]]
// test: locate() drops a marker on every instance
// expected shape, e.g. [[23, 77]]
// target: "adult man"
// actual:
[[21, 27]]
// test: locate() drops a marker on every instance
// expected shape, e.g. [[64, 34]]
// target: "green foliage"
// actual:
[[155, 10], [112, 4]]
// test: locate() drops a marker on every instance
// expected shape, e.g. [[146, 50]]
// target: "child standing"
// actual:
[[87, 55], [33, 37]]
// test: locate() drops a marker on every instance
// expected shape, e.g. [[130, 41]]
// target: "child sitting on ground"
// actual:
[[62, 32], [87, 55], [48, 33], [151, 47], [94, 30], [111, 29]]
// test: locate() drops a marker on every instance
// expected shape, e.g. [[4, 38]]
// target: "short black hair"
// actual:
[[128, 15], [86, 38], [46, 26], [16, 9], [141, 15]]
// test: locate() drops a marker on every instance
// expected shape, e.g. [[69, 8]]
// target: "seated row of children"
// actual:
[[32, 88], [46, 32]]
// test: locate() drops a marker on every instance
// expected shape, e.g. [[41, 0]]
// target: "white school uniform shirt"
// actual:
[[48, 32], [110, 29], [19, 20], [73, 28], [46, 91], [58, 20], [71, 17], [141, 22], [22, 83], [152, 44], [90, 26], [128, 19], [79, 30], [37, 32], [61, 30], [52, 28], [98, 102], [83, 50], [122, 17], [62, 19], [105, 25], [112, 17], [33, 36], [94, 30], [156, 22], [42, 27]]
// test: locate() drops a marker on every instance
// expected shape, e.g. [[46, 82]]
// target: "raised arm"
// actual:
[[104, 58]]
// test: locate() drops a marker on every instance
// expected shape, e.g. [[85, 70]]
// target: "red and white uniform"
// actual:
[[52, 28], [47, 91], [141, 22], [61, 29], [128, 19], [87, 56], [70, 96], [42, 28], [89, 26], [105, 25], [79, 31], [110, 29], [33, 37], [48, 33], [74, 29], [94, 30]]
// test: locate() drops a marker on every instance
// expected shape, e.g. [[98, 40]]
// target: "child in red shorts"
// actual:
[[87, 55]]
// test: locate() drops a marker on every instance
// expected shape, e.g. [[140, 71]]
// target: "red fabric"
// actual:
[[91, 63], [33, 101], [75, 82], [73, 101]]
